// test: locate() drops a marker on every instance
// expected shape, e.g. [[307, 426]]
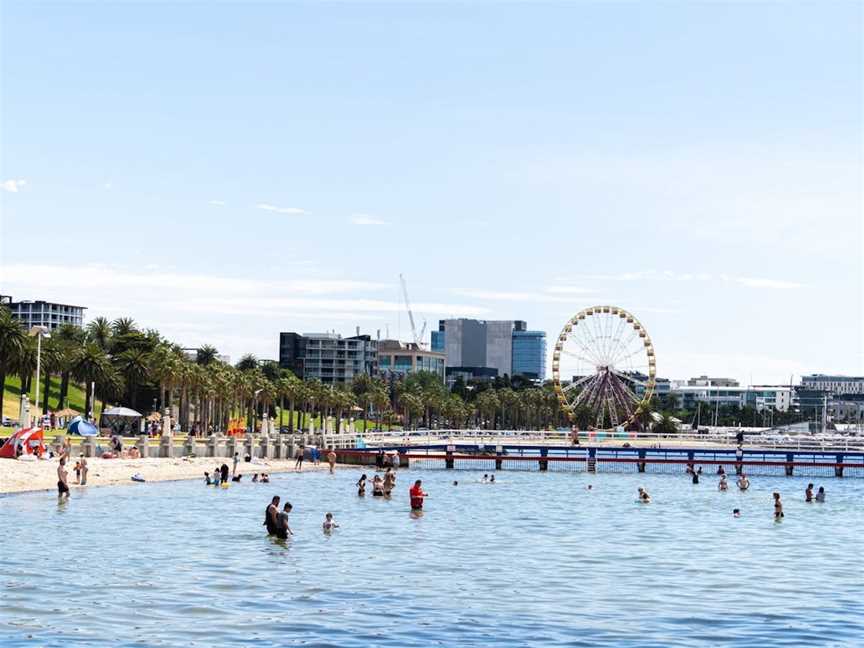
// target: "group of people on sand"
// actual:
[[314, 457]]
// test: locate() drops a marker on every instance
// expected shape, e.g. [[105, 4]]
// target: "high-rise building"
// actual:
[[833, 384], [328, 357], [401, 358], [42, 313], [490, 348]]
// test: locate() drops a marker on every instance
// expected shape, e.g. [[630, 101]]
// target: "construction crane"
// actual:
[[418, 339]]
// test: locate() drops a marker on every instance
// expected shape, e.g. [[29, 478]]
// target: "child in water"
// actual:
[[644, 497], [329, 523]]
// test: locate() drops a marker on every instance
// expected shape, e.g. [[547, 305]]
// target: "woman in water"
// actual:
[[361, 485], [778, 507], [820, 495], [389, 481], [723, 485], [377, 486]]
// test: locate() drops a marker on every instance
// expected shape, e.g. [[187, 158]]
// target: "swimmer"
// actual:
[[389, 482], [361, 485], [207, 478], [778, 507], [455, 483], [417, 494], [62, 484], [723, 485], [589, 487], [736, 513], [377, 486], [492, 479], [331, 460], [721, 470], [271, 514], [644, 497], [237, 478], [820, 495], [282, 528], [696, 476], [485, 478], [255, 478], [743, 482], [265, 478], [808, 494], [329, 524]]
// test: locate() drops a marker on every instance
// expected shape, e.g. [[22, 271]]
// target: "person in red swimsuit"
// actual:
[[417, 495]]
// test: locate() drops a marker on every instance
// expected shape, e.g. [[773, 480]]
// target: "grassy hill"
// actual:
[[12, 396]]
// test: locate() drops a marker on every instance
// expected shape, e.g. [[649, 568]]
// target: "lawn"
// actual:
[[12, 396]]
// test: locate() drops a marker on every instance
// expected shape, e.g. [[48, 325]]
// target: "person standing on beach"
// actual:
[[236, 461], [62, 485], [271, 514], [331, 460], [84, 469], [417, 494], [298, 464]]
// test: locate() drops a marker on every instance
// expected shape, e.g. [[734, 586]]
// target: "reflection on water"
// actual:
[[533, 559]]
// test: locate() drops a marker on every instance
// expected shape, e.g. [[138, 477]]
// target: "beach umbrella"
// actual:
[[67, 412], [82, 428]]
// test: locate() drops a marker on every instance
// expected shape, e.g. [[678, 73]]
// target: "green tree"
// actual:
[[12, 341]]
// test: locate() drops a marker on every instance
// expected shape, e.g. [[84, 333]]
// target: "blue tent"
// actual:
[[82, 428]]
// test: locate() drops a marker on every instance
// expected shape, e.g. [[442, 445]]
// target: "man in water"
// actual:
[[331, 460], [736, 513], [808, 494], [492, 479], [62, 485], [416, 493], [723, 485], [485, 478], [743, 482], [271, 514], [282, 528]]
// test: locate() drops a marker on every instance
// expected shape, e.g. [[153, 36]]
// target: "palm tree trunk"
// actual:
[[2, 387], [47, 391], [64, 390]]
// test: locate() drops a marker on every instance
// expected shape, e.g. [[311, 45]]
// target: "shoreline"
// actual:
[[17, 477]]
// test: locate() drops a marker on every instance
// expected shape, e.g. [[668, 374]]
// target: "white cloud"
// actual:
[[568, 290], [217, 203], [365, 219], [280, 210], [536, 297], [755, 282], [13, 185]]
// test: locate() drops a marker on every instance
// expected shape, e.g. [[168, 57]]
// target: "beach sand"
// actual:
[[20, 476]]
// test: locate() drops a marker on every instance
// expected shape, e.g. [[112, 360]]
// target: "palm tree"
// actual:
[[206, 355], [123, 326], [99, 331], [50, 363], [69, 339], [12, 341], [26, 363], [91, 364], [247, 363], [132, 364]]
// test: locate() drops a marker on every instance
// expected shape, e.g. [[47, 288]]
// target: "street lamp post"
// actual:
[[39, 332]]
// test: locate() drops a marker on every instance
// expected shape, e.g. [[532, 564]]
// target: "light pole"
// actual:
[[39, 332], [255, 409]]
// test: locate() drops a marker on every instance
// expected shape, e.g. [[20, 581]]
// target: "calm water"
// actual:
[[534, 559]]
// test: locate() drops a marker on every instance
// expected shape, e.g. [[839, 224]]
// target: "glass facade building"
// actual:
[[529, 354]]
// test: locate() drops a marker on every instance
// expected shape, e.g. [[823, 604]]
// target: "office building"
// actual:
[[487, 349], [834, 385], [42, 313], [402, 358], [328, 357]]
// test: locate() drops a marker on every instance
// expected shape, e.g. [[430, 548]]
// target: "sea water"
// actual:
[[534, 559]]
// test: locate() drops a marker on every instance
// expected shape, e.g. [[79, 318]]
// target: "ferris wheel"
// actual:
[[603, 368]]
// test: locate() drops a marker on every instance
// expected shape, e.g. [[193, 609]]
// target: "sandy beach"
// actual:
[[21, 476]]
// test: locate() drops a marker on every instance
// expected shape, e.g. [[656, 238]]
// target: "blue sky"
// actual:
[[225, 171]]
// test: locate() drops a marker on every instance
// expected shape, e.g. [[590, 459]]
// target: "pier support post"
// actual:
[[838, 469], [189, 447], [592, 460], [88, 446], [210, 449], [789, 459], [230, 445], [544, 465], [641, 465], [248, 448], [498, 461], [264, 446], [448, 461]]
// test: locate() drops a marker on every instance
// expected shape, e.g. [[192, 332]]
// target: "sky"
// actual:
[[223, 172]]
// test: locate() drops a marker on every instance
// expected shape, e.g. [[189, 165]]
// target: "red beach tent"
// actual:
[[29, 439]]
